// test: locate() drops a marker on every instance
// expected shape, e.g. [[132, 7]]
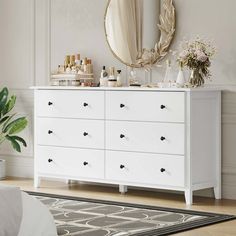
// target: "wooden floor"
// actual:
[[141, 197]]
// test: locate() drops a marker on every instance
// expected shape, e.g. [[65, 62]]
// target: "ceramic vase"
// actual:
[[180, 81]]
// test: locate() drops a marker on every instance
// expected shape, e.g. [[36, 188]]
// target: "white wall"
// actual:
[[17, 72], [214, 20], [62, 27], [78, 27]]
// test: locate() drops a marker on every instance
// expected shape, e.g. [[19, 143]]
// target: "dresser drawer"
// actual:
[[145, 106], [70, 104], [145, 137], [153, 169], [70, 162], [70, 132]]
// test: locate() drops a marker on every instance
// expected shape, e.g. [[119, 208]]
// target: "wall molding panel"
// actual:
[[17, 64], [42, 41], [228, 144]]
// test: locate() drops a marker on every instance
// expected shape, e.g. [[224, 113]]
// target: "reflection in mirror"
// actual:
[[150, 32], [133, 30]]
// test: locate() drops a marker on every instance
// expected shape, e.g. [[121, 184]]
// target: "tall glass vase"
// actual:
[[148, 76], [196, 78]]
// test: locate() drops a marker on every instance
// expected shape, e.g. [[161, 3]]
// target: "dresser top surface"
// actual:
[[203, 89]]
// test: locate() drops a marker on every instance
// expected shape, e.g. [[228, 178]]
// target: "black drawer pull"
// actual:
[[122, 136], [162, 170], [85, 134], [50, 132], [122, 105], [162, 138], [163, 107], [85, 104], [85, 163], [122, 166], [50, 103], [50, 160]]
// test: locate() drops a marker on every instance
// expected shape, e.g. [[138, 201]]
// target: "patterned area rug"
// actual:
[[78, 216]]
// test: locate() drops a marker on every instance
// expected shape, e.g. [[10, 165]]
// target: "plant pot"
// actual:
[[2, 169]]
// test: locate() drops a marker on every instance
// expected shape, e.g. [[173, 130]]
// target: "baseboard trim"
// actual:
[[19, 166], [229, 191]]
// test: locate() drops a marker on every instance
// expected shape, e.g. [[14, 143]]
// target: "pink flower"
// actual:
[[201, 56], [183, 54]]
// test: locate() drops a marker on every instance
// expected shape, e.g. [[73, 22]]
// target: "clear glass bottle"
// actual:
[[148, 76], [180, 81], [167, 80], [133, 80]]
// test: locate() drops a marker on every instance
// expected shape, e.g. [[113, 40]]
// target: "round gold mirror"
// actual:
[[139, 32]]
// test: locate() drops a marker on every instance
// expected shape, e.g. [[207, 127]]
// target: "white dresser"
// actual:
[[156, 138]]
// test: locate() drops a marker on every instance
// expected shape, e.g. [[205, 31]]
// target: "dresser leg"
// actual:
[[37, 181], [123, 188], [217, 192], [188, 197]]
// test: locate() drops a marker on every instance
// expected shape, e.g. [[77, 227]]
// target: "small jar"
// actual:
[[75, 83], [103, 82], [112, 83], [54, 83], [63, 83]]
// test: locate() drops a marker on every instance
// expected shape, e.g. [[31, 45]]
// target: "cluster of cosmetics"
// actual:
[[73, 64], [110, 78], [74, 72]]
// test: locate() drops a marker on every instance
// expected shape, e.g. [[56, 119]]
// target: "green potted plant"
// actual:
[[10, 126]]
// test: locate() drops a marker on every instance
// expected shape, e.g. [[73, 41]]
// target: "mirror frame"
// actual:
[[167, 23]]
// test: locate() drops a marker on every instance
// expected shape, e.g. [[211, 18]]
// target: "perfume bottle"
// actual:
[[104, 72], [119, 78], [111, 73], [68, 69], [77, 60], [104, 77], [84, 64], [133, 80], [89, 66], [67, 61], [73, 70], [72, 60], [166, 82], [61, 69], [112, 82]]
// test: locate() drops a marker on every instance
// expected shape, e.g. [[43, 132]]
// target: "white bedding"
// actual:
[[23, 215], [10, 210], [36, 220]]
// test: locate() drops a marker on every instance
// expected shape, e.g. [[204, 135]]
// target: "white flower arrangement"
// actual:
[[197, 55]]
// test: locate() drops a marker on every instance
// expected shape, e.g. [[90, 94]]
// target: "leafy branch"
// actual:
[[9, 126]]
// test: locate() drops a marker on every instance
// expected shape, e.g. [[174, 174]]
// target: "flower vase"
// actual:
[[196, 78], [180, 81]]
